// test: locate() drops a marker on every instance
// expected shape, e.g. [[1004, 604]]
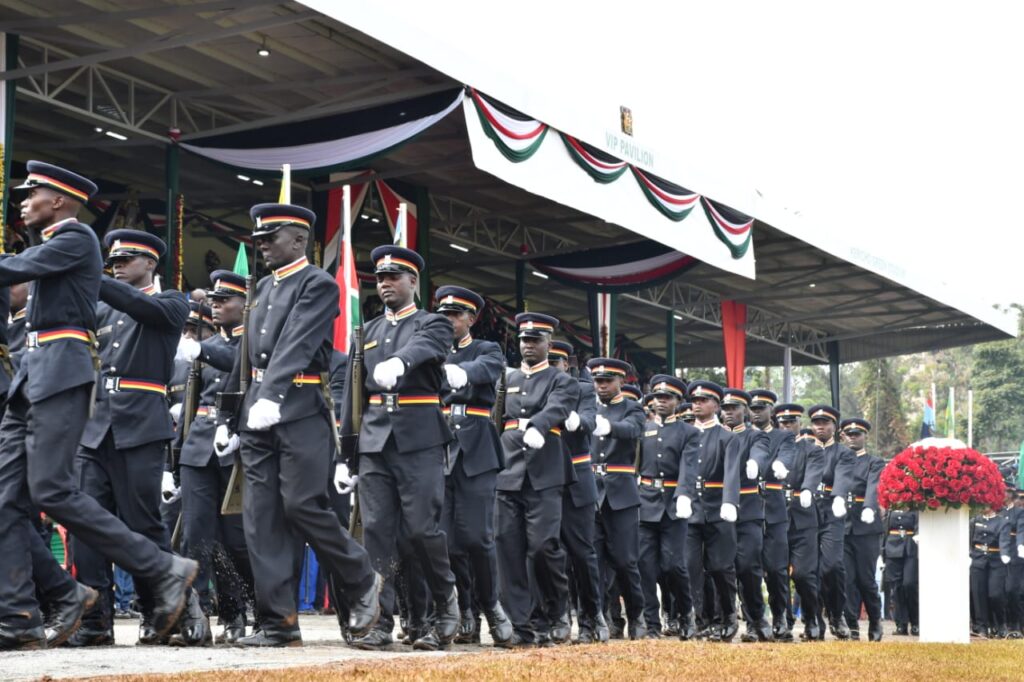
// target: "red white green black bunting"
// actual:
[[516, 135], [674, 202], [731, 226], [599, 165]]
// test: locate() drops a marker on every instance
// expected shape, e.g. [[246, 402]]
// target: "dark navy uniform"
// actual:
[[1015, 572], [900, 554], [990, 543], [668, 468], [863, 541], [124, 445], [287, 464], [711, 541], [530, 489], [617, 538], [474, 459], [49, 405]]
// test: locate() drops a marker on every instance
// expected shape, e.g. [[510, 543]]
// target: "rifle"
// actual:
[[355, 522], [498, 411], [231, 403], [188, 415]]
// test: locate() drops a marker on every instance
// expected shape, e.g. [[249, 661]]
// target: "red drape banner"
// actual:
[[734, 336]]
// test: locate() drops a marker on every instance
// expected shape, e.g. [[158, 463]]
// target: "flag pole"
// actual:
[[285, 197], [402, 226], [970, 418]]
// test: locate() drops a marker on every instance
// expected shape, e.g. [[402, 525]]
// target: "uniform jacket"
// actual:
[[753, 444], [65, 275], [421, 339], [668, 467], [583, 490], [864, 493], [990, 539], [718, 474], [179, 376], [837, 479], [5, 312], [544, 397], [16, 338], [808, 468], [617, 452], [476, 447], [218, 357], [291, 325], [900, 529], [339, 375], [138, 333], [782, 448]]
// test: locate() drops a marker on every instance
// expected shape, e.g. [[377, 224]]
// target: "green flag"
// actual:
[[242, 261], [1020, 469]]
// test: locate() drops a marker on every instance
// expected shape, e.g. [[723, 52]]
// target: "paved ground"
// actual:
[[322, 640]]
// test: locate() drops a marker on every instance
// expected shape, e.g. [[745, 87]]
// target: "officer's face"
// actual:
[[227, 312], [40, 206], [462, 321], [559, 363], [607, 387], [760, 415], [534, 349], [282, 247], [134, 270], [791, 425], [396, 289], [704, 408], [856, 439], [665, 404], [733, 415], [823, 429]]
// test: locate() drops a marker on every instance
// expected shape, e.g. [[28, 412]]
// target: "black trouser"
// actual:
[[617, 541], [1014, 583], [749, 574], [577, 533], [529, 552], [285, 503], [217, 541], [663, 560], [901, 574], [37, 472], [861, 557], [468, 521], [711, 548], [775, 561], [125, 482], [832, 570], [988, 592], [803, 557], [342, 507]]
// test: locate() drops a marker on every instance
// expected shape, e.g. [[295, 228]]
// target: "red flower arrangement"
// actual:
[[941, 473]]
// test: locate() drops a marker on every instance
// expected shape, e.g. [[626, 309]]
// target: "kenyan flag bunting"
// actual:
[[599, 165], [731, 226], [674, 202], [516, 135]]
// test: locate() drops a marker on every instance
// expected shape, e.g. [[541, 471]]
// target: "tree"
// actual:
[[878, 387]]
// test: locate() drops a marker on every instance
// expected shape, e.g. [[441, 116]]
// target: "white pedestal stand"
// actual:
[[945, 597]]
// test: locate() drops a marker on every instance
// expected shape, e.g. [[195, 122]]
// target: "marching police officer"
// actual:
[[472, 370], [900, 555], [836, 482], [1015, 570], [617, 429], [991, 547], [668, 468], [712, 514], [286, 432], [539, 399], [801, 486], [775, 555], [49, 406], [685, 412], [863, 532]]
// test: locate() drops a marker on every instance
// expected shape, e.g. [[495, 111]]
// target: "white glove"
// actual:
[[839, 507], [867, 515], [806, 498], [729, 512], [603, 427], [344, 483], [457, 377], [572, 422], [684, 507], [752, 470], [175, 412], [386, 373], [224, 442], [880, 564], [1005, 559], [1020, 551], [168, 490], [188, 349], [264, 414], [918, 540], [533, 438], [779, 470]]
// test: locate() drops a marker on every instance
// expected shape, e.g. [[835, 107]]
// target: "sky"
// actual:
[[894, 124]]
